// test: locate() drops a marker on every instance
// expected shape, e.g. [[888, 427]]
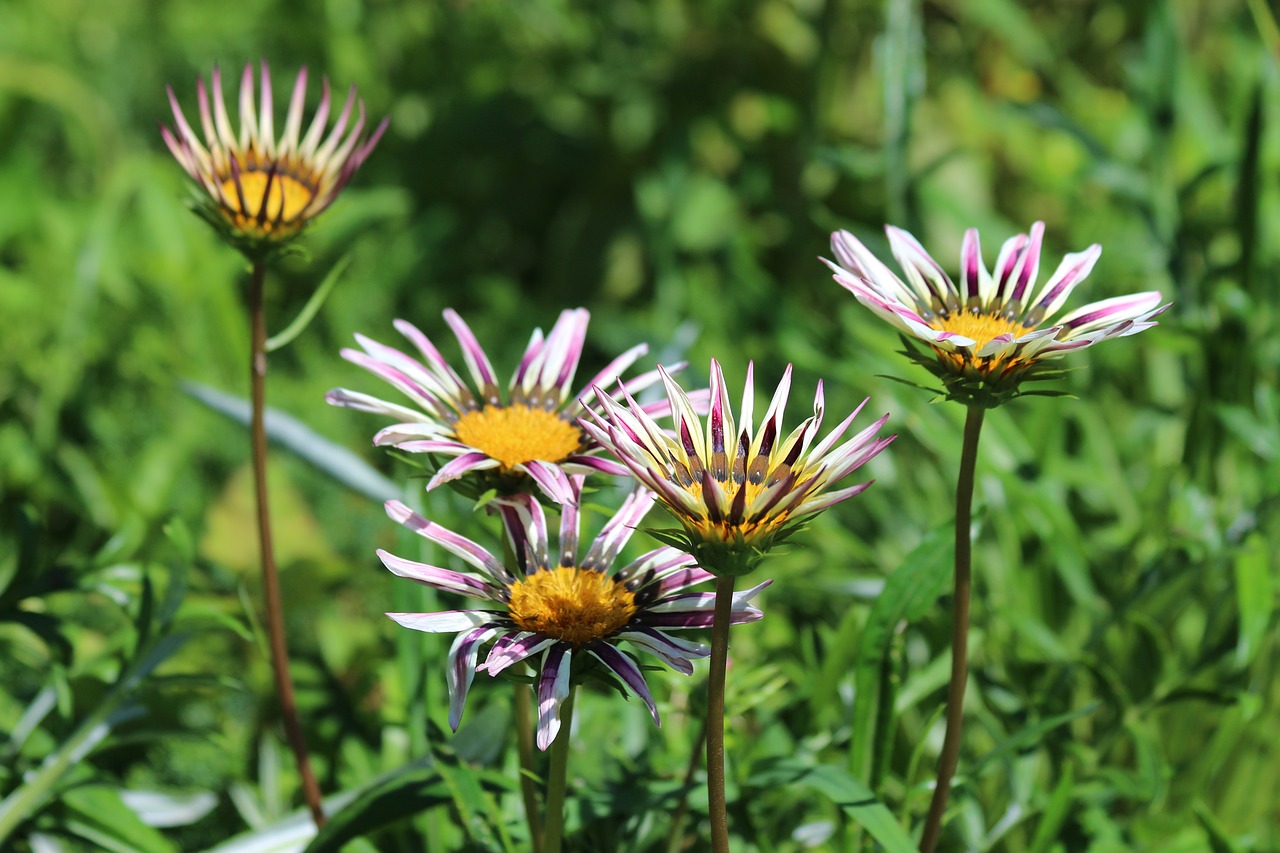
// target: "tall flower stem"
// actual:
[[717, 812], [557, 775], [959, 630], [270, 577]]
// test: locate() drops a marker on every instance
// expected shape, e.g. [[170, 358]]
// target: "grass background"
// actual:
[[675, 167]]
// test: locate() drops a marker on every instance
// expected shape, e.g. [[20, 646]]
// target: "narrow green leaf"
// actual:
[[1055, 813], [309, 311], [413, 789], [853, 797], [330, 457], [1032, 734], [103, 818], [1219, 841], [1254, 595], [908, 594]]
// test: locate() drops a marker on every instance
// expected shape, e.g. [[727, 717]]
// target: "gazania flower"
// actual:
[[262, 191], [531, 437], [568, 614], [990, 333], [735, 490]]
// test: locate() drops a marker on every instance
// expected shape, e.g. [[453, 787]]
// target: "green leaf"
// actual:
[[331, 458], [99, 815], [1254, 595], [1055, 813], [1031, 735], [908, 595], [1219, 841], [308, 312], [852, 796], [413, 789]]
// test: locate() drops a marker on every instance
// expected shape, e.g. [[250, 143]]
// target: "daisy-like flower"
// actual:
[[531, 437], [573, 612], [989, 334], [735, 490], [262, 191]]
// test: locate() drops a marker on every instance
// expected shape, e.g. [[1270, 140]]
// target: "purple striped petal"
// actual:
[[524, 378], [569, 525], [857, 259], [1074, 269], [1028, 269], [454, 543], [674, 652], [443, 622], [626, 670], [551, 479], [526, 526], [974, 278], [439, 578], [460, 466], [618, 530], [587, 465], [477, 362], [366, 403], [1107, 311], [564, 350], [553, 688], [613, 371], [924, 274], [462, 669], [514, 648]]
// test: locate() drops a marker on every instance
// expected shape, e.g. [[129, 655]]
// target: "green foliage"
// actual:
[[675, 168]]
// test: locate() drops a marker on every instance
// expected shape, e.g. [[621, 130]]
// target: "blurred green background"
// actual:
[[676, 167]]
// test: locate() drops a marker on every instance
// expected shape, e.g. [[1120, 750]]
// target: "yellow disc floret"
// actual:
[[284, 201], [982, 328], [517, 434], [571, 604]]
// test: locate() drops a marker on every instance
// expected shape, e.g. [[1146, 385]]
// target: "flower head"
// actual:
[[989, 334], [531, 437], [735, 490], [260, 191], [575, 611]]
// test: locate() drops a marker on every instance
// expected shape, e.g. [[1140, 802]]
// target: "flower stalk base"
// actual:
[[717, 808], [959, 630], [270, 577]]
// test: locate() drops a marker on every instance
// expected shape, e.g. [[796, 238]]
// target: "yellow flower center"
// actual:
[[756, 481], [571, 604], [982, 328], [517, 434], [284, 201]]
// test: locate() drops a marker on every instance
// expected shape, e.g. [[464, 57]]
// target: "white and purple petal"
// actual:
[[553, 689]]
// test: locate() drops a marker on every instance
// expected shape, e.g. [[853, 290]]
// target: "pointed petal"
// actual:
[[553, 688]]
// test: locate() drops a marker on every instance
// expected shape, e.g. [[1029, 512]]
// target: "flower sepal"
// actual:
[[256, 247], [737, 557], [975, 389]]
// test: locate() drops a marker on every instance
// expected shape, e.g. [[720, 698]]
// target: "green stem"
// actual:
[[959, 631], [523, 713], [556, 776], [524, 746], [270, 577], [717, 812]]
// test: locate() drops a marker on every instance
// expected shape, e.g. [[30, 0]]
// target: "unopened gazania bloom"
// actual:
[[995, 330], [735, 490], [563, 614], [261, 191], [507, 442]]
